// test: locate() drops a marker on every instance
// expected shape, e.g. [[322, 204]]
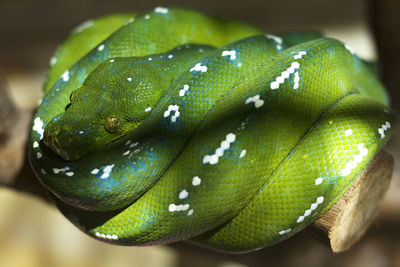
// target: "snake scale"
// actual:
[[173, 125]]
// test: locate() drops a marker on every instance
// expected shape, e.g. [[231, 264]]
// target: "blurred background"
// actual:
[[34, 233]]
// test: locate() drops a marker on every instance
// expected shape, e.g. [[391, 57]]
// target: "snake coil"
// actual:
[[175, 125]]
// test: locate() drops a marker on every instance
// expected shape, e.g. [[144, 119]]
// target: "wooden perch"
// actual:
[[346, 221], [341, 226], [13, 133]]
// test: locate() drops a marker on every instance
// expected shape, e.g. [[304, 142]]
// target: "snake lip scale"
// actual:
[[176, 125]]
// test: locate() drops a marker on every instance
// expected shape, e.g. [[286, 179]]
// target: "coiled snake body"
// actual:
[[179, 125]]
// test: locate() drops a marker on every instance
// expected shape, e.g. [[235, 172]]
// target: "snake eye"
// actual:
[[112, 124]]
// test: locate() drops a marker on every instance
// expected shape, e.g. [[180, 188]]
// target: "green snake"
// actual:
[[176, 125]]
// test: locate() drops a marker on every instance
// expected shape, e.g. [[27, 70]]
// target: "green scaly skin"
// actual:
[[184, 126]]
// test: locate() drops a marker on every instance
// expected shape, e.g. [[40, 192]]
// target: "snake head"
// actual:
[[114, 99], [72, 138]]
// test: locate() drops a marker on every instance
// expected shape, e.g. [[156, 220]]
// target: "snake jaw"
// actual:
[[62, 137], [73, 139], [52, 141]]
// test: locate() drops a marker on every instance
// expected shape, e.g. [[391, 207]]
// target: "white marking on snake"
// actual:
[[133, 144], [129, 79], [41, 98], [231, 54], [180, 207], [319, 180], [56, 170], [276, 39], [65, 76], [313, 206], [285, 231], [70, 174], [38, 155], [53, 61], [112, 60], [199, 67], [285, 74], [219, 152], [162, 10], [106, 171], [101, 47], [183, 194], [43, 171], [348, 132], [104, 236], [242, 153], [128, 142], [83, 26], [190, 212], [196, 181], [126, 153], [184, 90], [35, 144], [147, 16], [95, 171], [150, 59], [170, 56], [147, 109], [300, 55], [81, 132], [383, 129], [38, 127], [352, 164], [175, 109], [296, 80], [256, 99]]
